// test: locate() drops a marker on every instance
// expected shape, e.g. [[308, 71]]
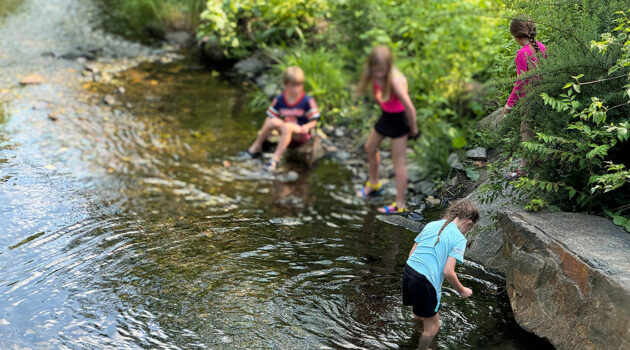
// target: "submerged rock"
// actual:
[[109, 100], [568, 278], [290, 176]]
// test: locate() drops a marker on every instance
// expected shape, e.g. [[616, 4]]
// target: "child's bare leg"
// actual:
[[268, 126], [286, 132], [374, 158], [399, 159], [431, 326]]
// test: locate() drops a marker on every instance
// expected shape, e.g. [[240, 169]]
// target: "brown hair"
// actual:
[[380, 54], [524, 27], [293, 75], [462, 209]]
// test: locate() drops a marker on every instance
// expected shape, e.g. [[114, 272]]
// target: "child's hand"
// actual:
[[414, 133], [465, 293]]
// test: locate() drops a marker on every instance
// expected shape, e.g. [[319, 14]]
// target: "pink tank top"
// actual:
[[392, 105]]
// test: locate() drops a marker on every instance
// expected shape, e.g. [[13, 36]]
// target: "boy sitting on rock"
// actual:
[[293, 113]]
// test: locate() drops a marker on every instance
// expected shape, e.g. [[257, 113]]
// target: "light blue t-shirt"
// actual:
[[429, 259]]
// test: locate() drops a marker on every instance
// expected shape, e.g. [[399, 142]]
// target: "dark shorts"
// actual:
[[419, 292], [392, 125], [299, 139]]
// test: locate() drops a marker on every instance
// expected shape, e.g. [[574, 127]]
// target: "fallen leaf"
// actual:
[[52, 116], [50, 167]]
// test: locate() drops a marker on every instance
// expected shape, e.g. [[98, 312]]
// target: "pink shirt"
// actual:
[[525, 60], [392, 105]]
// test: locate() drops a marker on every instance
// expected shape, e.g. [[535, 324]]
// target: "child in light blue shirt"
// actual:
[[431, 259]]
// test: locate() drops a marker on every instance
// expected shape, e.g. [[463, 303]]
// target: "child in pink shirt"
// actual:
[[398, 121], [524, 32]]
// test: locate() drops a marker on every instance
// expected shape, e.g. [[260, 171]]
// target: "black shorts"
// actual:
[[419, 292], [392, 125]]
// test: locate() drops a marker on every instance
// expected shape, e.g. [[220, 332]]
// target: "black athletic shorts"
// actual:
[[392, 125], [419, 292]]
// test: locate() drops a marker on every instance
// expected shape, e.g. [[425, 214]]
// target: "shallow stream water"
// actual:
[[131, 225]]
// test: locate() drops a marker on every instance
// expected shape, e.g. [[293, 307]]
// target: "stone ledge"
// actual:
[[568, 277]]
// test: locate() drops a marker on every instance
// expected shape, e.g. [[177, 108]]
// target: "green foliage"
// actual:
[[137, 17], [240, 26], [471, 172], [619, 220], [622, 40], [8, 6], [579, 158], [583, 154], [536, 204]]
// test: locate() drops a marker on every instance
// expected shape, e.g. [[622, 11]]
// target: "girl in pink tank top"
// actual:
[[392, 105], [524, 32], [398, 121]]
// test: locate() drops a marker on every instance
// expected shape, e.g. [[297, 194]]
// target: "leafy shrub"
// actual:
[[585, 167], [240, 26], [137, 17]]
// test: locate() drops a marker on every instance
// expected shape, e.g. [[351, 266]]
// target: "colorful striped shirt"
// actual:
[[302, 111]]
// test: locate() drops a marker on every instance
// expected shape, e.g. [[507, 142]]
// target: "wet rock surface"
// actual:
[[485, 240], [568, 278]]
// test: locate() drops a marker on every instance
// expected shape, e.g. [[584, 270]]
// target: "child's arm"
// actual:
[[308, 126], [413, 248], [398, 85], [451, 277], [313, 116]]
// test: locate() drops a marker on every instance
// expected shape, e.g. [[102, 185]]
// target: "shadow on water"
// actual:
[[133, 225]]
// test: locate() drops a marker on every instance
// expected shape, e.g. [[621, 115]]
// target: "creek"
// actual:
[[130, 224]]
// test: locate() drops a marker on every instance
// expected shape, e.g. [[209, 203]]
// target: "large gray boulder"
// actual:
[[568, 278], [485, 240]]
